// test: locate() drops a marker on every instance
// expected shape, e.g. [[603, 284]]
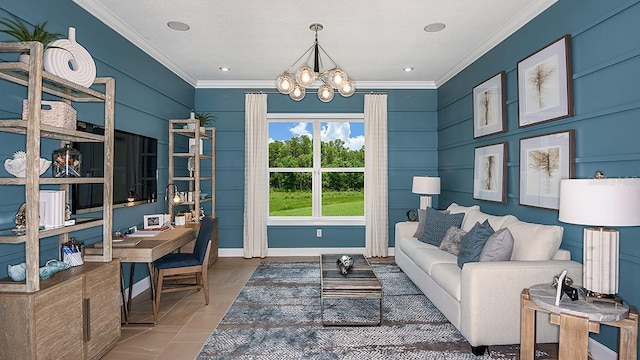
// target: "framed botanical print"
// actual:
[[545, 86], [490, 173], [544, 161], [489, 106]]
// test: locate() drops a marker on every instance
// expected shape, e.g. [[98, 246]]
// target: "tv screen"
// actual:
[[134, 169]]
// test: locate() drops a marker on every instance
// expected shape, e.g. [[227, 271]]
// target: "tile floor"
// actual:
[[185, 322]]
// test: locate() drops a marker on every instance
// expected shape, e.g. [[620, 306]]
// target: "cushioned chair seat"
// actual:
[[171, 261]]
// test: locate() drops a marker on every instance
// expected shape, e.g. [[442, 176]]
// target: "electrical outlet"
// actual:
[[318, 232]]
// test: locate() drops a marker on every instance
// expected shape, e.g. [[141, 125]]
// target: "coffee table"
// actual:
[[359, 283]]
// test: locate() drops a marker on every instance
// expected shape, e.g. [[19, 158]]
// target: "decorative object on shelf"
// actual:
[[17, 166], [600, 202], [180, 219], [69, 60], [66, 162], [21, 220], [202, 215], [172, 197], [19, 272], [205, 119], [306, 76], [425, 185], [16, 28], [345, 262], [191, 165], [72, 252], [412, 215], [544, 161], [545, 84], [203, 195], [490, 173], [54, 113], [490, 106]]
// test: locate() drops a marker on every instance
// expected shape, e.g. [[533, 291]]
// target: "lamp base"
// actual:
[[591, 296]]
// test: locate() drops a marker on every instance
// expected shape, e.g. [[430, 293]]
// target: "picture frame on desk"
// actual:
[[153, 221]]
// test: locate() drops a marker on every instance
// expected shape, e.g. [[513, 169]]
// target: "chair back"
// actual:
[[204, 235]]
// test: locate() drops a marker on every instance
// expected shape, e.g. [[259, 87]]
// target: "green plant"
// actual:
[[179, 213], [205, 118], [16, 28]]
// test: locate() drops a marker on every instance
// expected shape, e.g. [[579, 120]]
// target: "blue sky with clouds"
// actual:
[[352, 133]]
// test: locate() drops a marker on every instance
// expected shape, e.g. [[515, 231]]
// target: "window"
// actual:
[[316, 169]]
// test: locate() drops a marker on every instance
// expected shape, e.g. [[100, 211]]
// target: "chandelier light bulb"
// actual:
[[297, 93], [338, 77], [306, 76], [347, 89], [176, 199], [325, 93], [285, 83]]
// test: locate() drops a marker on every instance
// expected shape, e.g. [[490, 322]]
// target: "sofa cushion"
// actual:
[[473, 243], [427, 258], [451, 241], [534, 241], [409, 245], [474, 216], [436, 225], [422, 216], [448, 276], [499, 246]]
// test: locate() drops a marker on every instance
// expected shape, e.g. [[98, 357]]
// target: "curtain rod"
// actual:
[[277, 92]]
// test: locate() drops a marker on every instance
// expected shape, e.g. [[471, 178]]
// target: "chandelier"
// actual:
[[306, 75]]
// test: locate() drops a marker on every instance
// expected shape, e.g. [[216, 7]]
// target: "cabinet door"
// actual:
[[58, 321], [102, 309]]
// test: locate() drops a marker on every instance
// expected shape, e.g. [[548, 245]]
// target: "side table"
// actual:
[[576, 320]]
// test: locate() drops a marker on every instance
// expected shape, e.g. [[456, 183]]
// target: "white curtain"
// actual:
[[375, 176], [256, 191]]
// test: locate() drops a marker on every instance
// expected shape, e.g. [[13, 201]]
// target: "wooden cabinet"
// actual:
[[75, 315], [187, 172]]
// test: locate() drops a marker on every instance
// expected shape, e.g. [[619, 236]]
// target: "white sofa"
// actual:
[[482, 299]]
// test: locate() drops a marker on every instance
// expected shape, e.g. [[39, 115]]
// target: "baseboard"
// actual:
[[144, 284], [601, 352]]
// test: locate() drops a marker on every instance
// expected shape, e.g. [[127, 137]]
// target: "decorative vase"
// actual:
[[69, 60], [180, 220], [66, 162]]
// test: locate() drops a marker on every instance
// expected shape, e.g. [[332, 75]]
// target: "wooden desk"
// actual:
[[575, 325], [147, 251]]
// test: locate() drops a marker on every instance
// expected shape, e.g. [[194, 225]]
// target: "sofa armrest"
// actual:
[[405, 229], [490, 295]]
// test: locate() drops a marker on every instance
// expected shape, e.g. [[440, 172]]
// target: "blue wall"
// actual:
[[606, 79], [412, 122], [147, 94]]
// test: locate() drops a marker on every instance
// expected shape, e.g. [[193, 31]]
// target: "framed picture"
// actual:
[[489, 106], [544, 161], [545, 86], [153, 221], [490, 173]]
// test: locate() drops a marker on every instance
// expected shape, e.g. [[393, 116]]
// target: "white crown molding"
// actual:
[[509, 28], [112, 21], [271, 84]]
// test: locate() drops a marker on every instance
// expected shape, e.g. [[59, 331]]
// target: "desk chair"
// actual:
[[177, 266]]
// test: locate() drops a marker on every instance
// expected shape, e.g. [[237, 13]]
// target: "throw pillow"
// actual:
[[498, 247], [451, 241], [422, 216], [473, 243], [436, 225]]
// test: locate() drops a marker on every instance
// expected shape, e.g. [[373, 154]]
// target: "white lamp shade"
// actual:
[[600, 202], [426, 185]]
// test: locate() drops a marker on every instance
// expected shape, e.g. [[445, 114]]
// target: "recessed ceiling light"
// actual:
[[407, 69], [435, 27], [224, 68], [178, 26]]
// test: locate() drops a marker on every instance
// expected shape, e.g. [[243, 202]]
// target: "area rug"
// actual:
[[277, 316]]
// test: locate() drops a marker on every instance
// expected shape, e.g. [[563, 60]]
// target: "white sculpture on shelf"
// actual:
[[18, 164], [69, 60]]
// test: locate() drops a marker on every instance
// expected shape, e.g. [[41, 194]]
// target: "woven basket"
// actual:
[[54, 113]]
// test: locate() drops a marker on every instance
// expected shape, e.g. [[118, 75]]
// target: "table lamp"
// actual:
[[174, 197], [600, 202], [425, 185]]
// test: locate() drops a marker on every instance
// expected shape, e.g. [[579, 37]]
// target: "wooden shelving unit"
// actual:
[[75, 313]]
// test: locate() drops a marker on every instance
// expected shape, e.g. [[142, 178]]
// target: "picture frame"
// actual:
[[153, 221], [544, 161], [490, 106], [545, 84], [490, 172]]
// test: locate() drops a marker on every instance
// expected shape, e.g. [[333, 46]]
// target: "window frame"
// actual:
[[314, 219]]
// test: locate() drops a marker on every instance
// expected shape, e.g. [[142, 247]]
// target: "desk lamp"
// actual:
[[426, 186], [174, 197], [600, 202]]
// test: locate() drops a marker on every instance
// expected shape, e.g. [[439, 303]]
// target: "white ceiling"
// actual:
[[372, 40]]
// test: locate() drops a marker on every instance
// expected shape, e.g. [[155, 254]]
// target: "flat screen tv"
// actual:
[[135, 161]]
